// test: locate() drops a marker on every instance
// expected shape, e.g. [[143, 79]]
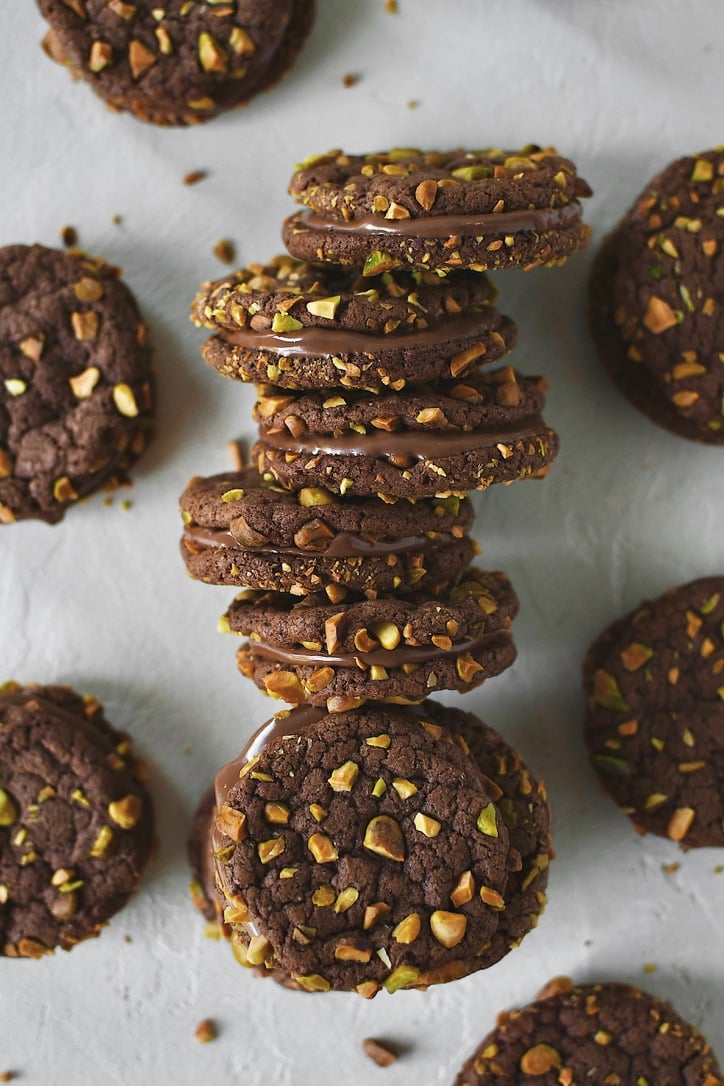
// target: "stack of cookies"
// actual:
[[405, 853]]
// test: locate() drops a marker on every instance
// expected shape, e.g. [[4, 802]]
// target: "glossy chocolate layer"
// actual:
[[331, 342], [420, 444], [528, 220], [389, 658], [343, 544]]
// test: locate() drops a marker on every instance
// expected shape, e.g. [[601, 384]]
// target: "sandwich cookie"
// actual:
[[438, 210], [182, 63], [656, 300], [302, 326], [242, 531], [76, 824], [76, 399], [362, 850], [388, 649], [596, 1033], [436, 440]]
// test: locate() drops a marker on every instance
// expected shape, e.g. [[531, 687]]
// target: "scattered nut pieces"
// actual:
[[224, 251], [391, 7], [194, 176], [69, 236], [205, 1031], [382, 1053], [350, 79]]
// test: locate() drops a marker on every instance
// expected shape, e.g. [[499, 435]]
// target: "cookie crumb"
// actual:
[[224, 251], [69, 236], [349, 79], [205, 1031], [195, 176], [7, 1076], [383, 1054], [649, 967], [125, 504], [391, 7], [413, 103], [116, 220], [670, 869], [127, 939], [236, 454], [718, 869]]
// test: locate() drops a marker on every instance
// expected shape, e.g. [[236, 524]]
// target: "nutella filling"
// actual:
[[419, 444], [343, 545], [528, 220], [331, 342], [393, 658]]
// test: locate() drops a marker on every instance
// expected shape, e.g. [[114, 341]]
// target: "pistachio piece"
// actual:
[[426, 193], [267, 850], [606, 692], [402, 977], [384, 837], [324, 307], [448, 928], [430, 827], [125, 401], [315, 495], [486, 822], [404, 788], [322, 848], [285, 322], [373, 914], [212, 57], [346, 899], [463, 890], [82, 384], [125, 812], [102, 843], [9, 811], [539, 1060], [276, 813], [140, 58], [407, 930], [258, 950], [205, 1032], [680, 823], [343, 778], [383, 741], [381, 1054]]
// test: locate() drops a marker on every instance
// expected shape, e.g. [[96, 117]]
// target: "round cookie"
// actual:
[[594, 1034], [76, 403], [436, 440], [298, 325], [387, 649], [654, 722], [242, 531], [438, 210], [76, 823], [180, 64], [656, 297], [361, 850]]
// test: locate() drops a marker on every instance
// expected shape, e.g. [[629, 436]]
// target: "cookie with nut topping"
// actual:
[[657, 295], [76, 823], [386, 649], [654, 722], [180, 63], [241, 530], [298, 325], [445, 438], [362, 850], [76, 399], [595, 1033], [441, 211]]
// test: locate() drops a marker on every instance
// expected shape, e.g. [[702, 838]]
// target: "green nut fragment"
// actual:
[[487, 823], [379, 788], [15, 386], [606, 692], [9, 811], [703, 170], [125, 401], [472, 173], [324, 307], [313, 982], [402, 977], [212, 57], [232, 495], [100, 846], [378, 262], [613, 767], [284, 322]]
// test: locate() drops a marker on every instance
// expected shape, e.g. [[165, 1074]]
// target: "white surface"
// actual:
[[102, 601]]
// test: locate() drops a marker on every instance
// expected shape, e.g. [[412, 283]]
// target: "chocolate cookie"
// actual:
[[435, 440], [442, 211], [298, 325], [654, 721], [180, 64], [656, 300], [242, 531], [203, 890], [362, 850], [390, 648], [76, 401], [594, 1034], [76, 824]]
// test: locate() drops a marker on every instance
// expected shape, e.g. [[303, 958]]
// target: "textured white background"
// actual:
[[102, 601]]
